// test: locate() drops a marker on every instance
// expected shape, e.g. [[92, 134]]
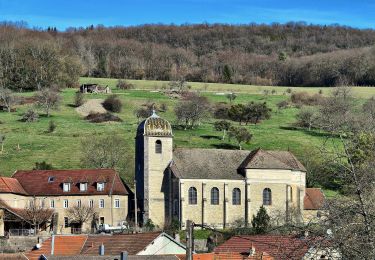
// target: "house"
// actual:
[[57, 191], [141, 244], [94, 88], [212, 186], [313, 204], [276, 247]]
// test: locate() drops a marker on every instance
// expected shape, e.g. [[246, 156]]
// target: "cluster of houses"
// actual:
[[211, 187]]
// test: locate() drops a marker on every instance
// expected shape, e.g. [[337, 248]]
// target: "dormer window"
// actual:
[[51, 179], [83, 186], [100, 186], [66, 186]]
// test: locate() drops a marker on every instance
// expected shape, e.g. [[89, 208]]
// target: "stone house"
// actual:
[[212, 186], [58, 190]]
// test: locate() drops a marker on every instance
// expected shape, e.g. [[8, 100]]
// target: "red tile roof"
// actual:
[[277, 246], [65, 245], [11, 185], [115, 244], [314, 199], [36, 182]]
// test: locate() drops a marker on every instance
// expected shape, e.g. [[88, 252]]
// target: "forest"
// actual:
[[291, 54]]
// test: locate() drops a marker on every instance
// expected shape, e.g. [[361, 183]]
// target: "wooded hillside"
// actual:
[[292, 54]]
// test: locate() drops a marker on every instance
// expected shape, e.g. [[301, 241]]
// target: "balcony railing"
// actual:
[[22, 232]]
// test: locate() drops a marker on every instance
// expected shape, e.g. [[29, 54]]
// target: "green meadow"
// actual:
[[27, 143]]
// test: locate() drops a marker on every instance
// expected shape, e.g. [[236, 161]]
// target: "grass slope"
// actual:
[[62, 148]]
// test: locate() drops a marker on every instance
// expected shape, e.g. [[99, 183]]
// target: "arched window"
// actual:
[[158, 147], [267, 196], [236, 196], [215, 196], [192, 196]]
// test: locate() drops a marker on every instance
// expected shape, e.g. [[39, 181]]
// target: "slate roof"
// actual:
[[11, 185], [277, 246], [115, 244], [228, 164], [36, 182], [314, 199], [207, 163]]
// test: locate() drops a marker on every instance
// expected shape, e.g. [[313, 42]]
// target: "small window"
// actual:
[[101, 221], [66, 222], [51, 179], [66, 187], [236, 196], [79, 203], [117, 203], [100, 186], [52, 203], [91, 203], [291, 193], [215, 196], [66, 204], [83, 186], [192, 196], [101, 203], [158, 146], [267, 197]]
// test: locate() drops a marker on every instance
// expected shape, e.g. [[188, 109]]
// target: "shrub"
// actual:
[[220, 111], [79, 99], [124, 85], [163, 107], [30, 116], [304, 98], [99, 118], [113, 104], [43, 166], [51, 126], [282, 104]]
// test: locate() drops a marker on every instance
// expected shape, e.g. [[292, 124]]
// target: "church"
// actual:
[[216, 187]]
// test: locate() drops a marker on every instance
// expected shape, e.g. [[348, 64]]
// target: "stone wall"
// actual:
[[19, 244]]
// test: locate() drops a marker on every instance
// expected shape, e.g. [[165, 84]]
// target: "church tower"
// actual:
[[154, 149]]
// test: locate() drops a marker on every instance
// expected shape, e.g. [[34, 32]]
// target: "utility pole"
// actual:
[[189, 239], [135, 206]]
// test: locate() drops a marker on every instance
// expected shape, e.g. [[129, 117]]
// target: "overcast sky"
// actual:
[[76, 13]]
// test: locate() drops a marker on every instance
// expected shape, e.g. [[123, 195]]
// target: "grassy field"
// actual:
[[62, 148], [360, 92]]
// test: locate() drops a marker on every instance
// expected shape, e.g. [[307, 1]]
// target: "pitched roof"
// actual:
[[277, 246], [227, 164], [261, 159], [19, 212], [64, 245], [207, 163], [115, 244], [314, 199], [11, 185], [36, 182]]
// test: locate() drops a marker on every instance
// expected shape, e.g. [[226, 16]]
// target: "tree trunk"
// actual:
[[224, 132]]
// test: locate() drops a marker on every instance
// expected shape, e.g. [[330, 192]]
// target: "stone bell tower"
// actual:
[[154, 149]]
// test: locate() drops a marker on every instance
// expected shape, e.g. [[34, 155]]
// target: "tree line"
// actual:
[[292, 54]]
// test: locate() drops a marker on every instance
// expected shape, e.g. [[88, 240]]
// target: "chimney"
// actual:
[[124, 255], [101, 249], [252, 250]]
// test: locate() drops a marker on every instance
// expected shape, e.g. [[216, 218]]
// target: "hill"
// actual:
[[292, 54]]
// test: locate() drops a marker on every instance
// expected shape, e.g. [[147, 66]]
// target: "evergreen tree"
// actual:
[[261, 222], [227, 74]]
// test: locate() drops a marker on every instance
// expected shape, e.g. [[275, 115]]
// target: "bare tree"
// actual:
[[36, 214], [48, 99], [7, 98], [80, 214]]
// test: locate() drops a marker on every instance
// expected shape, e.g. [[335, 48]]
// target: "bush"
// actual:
[[79, 99], [282, 104], [30, 116], [304, 98], [220, 111], [51, 126], [113, 104], [43, 166], [99, 118], [124, 85]]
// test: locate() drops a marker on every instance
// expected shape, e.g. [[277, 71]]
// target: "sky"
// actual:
[[81, 13]]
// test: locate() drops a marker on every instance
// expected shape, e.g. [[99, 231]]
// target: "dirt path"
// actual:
[[91, 105]]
